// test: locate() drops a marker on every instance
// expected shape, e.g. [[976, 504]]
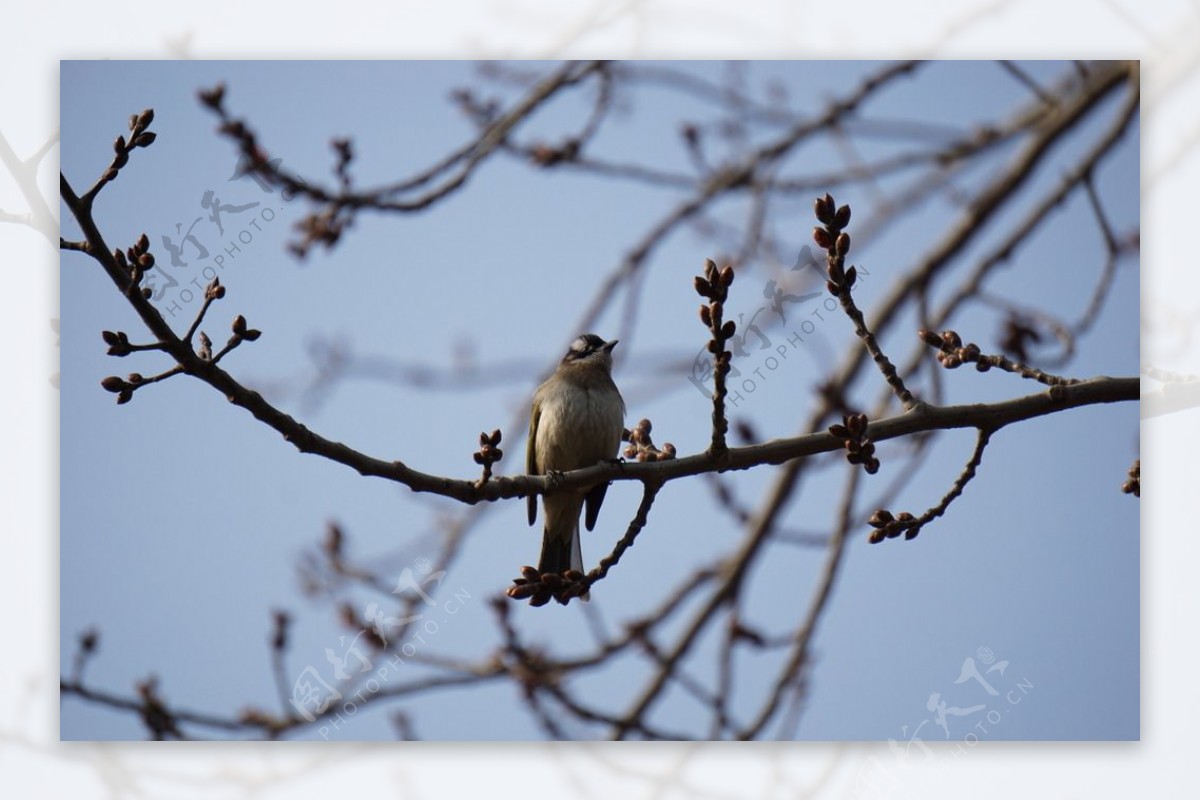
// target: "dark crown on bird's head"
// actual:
[[588, 347]]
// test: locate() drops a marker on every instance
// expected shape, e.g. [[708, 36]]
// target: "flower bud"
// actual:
[[881, 518], [930, 338], [520, 591], [821, 209]]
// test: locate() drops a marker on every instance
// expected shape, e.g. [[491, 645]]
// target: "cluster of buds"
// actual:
[[953, 353], [135, 261], [241, 332], [714, 285], [118, 343], [539, 588], [122, 147], [1133, 484], [214, 291], [830, 237], [852, 431], [642, 448], [888, 526], [123, 387], [488, 454]]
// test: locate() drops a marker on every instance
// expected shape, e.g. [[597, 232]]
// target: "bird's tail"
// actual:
[[560, 553], [560, 539]]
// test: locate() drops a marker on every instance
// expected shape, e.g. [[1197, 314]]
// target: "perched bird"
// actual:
[[577, 420]]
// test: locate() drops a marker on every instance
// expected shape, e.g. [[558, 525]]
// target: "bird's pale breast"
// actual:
[[594, 417]]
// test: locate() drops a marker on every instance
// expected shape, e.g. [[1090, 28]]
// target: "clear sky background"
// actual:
[[183, 519]]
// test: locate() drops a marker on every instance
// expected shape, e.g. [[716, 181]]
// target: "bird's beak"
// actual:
[[608, 346]]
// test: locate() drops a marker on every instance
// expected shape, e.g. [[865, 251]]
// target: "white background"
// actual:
[[32, 762]]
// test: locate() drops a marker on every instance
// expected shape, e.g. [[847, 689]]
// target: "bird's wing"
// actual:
[[531, 465]]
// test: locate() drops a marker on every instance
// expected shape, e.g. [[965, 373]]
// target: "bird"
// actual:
[[577, 421]]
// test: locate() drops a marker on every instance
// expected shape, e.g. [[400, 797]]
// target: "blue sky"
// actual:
[[183, 519]]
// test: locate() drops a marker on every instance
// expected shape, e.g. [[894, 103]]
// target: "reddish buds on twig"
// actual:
[[539, 588], [642, 448], [488, 454], [859, 447]]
